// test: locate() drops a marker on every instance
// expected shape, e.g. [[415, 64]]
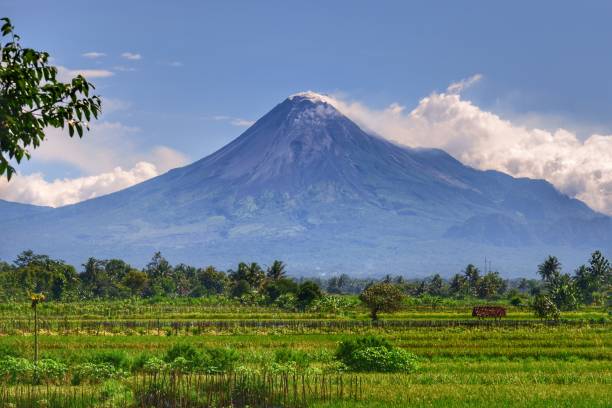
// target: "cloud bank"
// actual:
[[109, 156], [482, 139], [34, 189]]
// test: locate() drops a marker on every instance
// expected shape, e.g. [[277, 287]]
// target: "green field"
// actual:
[[528, 363]]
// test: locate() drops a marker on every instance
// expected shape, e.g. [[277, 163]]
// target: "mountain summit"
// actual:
[[305, 184]]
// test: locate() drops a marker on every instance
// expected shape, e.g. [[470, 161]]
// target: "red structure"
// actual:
[[497, 312]]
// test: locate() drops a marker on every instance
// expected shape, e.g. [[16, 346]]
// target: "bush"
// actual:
[[116, 394], [94, 373], [286, 355], [274, 289], [347, 349], [186, 351], [375, 354], [240, 289], [544, 308], [516, 301], [221, 360], [333, 304], [182, 365], [154, 365], [382, 359], [6, 350], [116, 358], [307, 293], [20, 370], [16, 370], [185, 358], [286, 301], [139, 361], [49, 371]]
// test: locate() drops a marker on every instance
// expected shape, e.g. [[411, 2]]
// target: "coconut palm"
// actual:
[[276, 271], [550, 269]]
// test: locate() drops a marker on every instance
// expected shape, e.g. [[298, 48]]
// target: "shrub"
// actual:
[[286, 301], [185, 358], [332, 304], [276, 288], [94, 373], [307, 293], [347, 348], [182, 365], [240, 288], [382, 359], [6, 350], [286, 355], [139, 361], [375, 354], [516, 301], [544, 308], [20, 370], [220, 359], [154, 365], [186, 351], [116, 358], [16, 370], [116, 394], [49, 371]]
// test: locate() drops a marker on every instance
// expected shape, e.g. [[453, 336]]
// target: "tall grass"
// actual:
[[193, 390]]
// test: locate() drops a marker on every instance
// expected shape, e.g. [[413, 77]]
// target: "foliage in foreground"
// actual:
[[192, 390], [32, 98]]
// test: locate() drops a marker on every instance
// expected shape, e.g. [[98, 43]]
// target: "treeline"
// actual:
[[116, 279], [589, 284], [469, 283]]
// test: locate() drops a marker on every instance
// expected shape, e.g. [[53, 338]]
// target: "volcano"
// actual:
[[307, 185]]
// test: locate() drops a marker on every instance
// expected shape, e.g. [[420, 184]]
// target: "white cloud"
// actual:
[[94, 55], [482, 139], [35, 189], [131, 56], [122, 68], [176, 64], [106, 146], [239, 122], [166, 158], [458, 87], [109, 156], [65, 74]]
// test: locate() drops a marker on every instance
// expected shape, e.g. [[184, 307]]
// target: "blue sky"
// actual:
[[199, 71]]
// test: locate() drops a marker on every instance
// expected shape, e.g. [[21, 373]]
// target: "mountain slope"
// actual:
[[307, 185], [11, 211]]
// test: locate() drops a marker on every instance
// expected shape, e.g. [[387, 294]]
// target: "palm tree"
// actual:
[[550, 269], [277, 270], [254, 274], [472, 274]]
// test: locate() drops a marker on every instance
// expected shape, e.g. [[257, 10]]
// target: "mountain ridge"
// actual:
[[305, 179]]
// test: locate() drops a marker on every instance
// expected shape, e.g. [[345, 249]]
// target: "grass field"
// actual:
[[562, 365]]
